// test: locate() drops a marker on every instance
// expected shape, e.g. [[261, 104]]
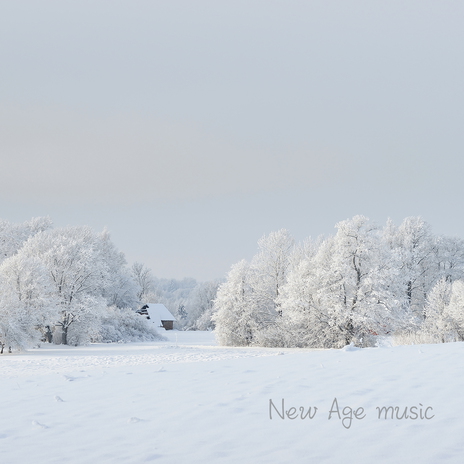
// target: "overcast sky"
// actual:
[[191, 128]]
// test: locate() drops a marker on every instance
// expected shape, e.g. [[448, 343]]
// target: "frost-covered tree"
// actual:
[[270, 266], [454, 312], [27, 304], [413, 246], [58, 283], [144, 279], [342, 294], [436, 324], [449, 258], [303, 322], [121, 289], [251, 292], [83, 320], [444, 312], [422, 260], [313, 302], [200, 306], [73, 258], [354, 282], [359, 284], [233, 308], [13, 236]]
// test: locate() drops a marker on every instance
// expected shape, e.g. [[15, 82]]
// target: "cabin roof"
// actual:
[[159, 312]]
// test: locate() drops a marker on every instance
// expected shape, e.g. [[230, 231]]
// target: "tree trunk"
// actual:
[[409, 292], [349, 332], [64, 335], [48, 334]]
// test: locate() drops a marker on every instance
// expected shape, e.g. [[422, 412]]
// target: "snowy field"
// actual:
[[186, 400]]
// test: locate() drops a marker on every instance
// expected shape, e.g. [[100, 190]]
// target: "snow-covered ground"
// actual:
[[186, 400]]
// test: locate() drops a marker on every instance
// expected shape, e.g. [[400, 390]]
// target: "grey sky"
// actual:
[[191, 128]]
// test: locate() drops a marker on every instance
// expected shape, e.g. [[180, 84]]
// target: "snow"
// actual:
[[188, 400], [350, 347]]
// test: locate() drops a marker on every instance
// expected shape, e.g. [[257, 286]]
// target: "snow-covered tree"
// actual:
[[270, 266], [58, 283], [27, 305], [251, 293], [449, 258], [354, 281], [343, 293], [73, 258], [436, 323], [444, 312], [454, 312], [413, 246], [121, 288], [144, 279], [122, 291], [233, 308], [13, 236], [200, 306]]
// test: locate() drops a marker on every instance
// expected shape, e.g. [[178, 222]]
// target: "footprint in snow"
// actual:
[[134, 420], [38, 424], [70, 378]]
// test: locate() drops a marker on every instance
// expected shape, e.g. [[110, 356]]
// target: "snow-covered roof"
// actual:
[[159, 312]]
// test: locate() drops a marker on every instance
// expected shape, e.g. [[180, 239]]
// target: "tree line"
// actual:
[[71, 285], [362, 283]]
